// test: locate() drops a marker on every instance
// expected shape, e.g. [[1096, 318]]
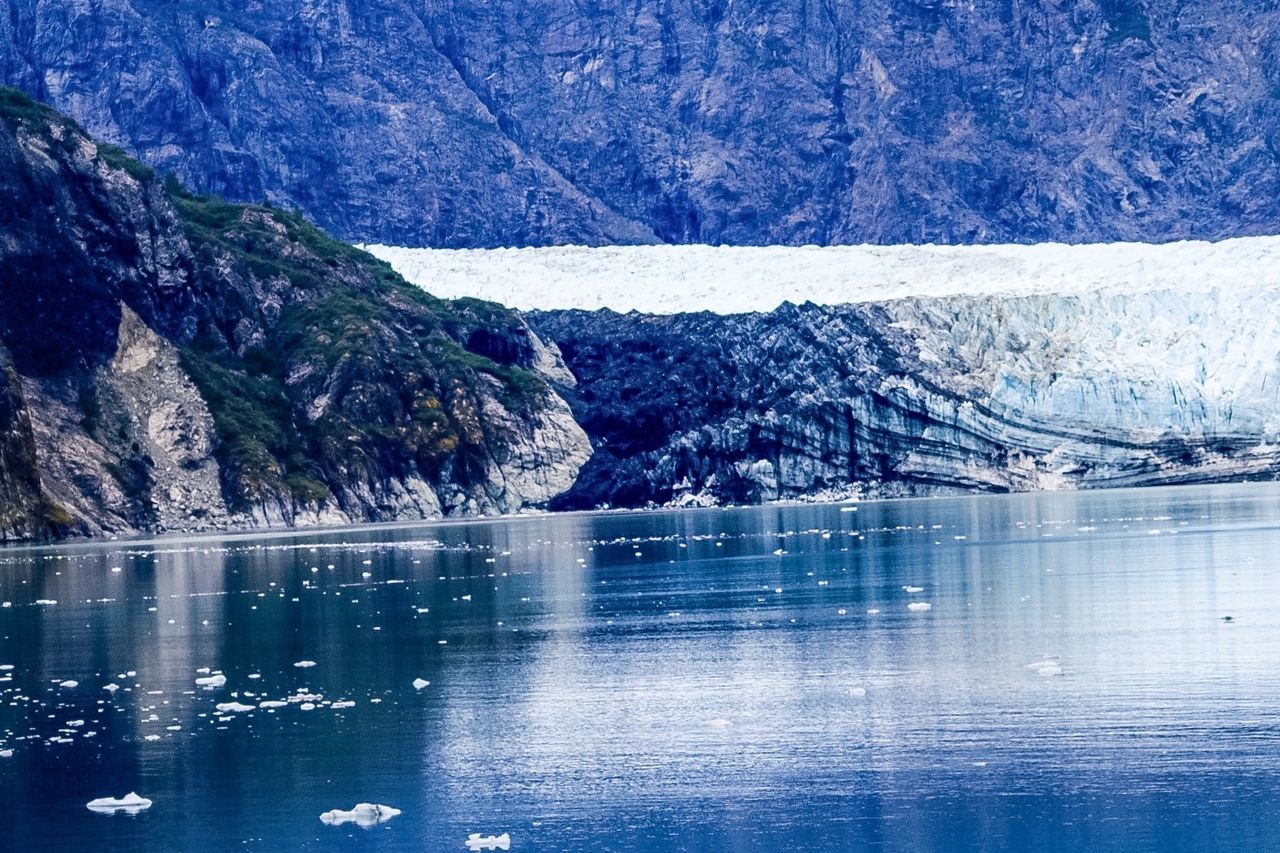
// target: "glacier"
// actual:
[[743, 374], [737, 279]]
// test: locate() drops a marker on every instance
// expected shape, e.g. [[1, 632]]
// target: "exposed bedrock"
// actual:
[[924, 395]]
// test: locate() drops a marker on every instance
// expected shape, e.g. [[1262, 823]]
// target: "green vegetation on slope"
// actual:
[[389, 361], [326, 374]]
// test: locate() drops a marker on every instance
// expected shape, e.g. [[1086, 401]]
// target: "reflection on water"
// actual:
[[1095, 671]]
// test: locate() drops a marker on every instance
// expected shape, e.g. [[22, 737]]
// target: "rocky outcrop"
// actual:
[[24, 509], [921, 396], [174, 362], [477, 123]]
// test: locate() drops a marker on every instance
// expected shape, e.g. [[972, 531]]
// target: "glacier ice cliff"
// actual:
[[925, 395]]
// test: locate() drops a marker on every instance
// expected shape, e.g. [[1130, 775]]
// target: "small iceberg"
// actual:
[[1046, 667], [912, 590], [419, 683], [476, 841], [919, 606], [362, 814], [211, 681], [130, 803], [233, 707], [305, 664]]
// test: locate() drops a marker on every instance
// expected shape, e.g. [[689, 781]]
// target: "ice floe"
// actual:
[[476, 841], [1046, 667], [419, 683], [212, 681], [130, 803], [919, 606], [233, 707], [362, 814]]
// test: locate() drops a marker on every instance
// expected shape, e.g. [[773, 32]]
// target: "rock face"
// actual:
[[920, 396], [174, 362], [477, 123]]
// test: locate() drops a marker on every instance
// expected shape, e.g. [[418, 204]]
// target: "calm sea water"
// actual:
[[739, 680]]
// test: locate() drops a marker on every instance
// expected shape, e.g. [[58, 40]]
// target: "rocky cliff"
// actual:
[[171, 361], [925, 395], [476, 123]]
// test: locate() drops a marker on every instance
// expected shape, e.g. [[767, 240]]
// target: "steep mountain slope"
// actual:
[[924, 395], [475, 123], [169, 361]]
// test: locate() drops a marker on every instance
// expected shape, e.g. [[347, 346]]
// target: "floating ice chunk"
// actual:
[[345, 703], [919, 606], [362, 814], [130, 803], [1046, 667], [233, 707], [68, 684], [305, 664], [46, 601], [719, 723], [6, 753], [111, 688], [476, 841], [307, 706], [419, 683], [912, 589], [6, 667], [873, 611], [212, 681], [272, 703]]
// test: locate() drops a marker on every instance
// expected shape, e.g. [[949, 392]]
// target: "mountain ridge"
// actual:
[[463, 123], [177, 362]]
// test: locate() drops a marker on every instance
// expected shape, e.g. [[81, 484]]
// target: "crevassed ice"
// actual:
[[737, 279]]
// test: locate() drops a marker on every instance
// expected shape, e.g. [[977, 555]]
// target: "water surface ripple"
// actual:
[[1094, 671]]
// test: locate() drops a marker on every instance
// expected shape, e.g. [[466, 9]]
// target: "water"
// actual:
[[666, 681]]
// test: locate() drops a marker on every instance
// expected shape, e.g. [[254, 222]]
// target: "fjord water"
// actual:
[[745, 679]]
